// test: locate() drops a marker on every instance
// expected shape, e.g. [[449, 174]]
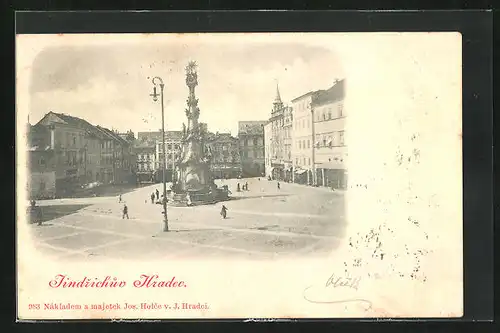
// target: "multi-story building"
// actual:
[[302, 145], [330, 150], [226, 161], [42, 163], [172, 151], [145, 151], [287, 144], [277, 146], [173, 146], [251, 139], [268, 135], [122, 159], [74, 155]]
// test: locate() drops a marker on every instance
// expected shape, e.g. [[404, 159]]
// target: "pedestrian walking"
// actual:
[[120, 198], [279, 186], [125, 211], [157, 194], [153, 198], [223, 211], [246, 186], [238, 189]]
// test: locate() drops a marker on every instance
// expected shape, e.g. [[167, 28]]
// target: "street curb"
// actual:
[[319, 188]]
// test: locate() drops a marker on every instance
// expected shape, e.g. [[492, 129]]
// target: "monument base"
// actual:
[[206, 196]]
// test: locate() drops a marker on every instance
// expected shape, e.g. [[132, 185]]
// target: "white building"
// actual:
[[268, 134], [302, 138], [330, 146]]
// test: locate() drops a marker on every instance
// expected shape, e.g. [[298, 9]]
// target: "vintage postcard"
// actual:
[[239, 175]]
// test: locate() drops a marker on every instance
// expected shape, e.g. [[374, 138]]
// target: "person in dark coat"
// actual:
[[238, 189], [246, 186], [223, 211], [279, 185], [153, 198], [157, 194], [125, 211]]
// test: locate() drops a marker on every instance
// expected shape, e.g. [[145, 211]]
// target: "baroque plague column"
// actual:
[[194, 180]]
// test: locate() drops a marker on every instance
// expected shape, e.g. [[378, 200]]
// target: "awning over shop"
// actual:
[[299, 172]]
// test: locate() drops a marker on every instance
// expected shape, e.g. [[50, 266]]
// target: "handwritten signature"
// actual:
[[335, 281]]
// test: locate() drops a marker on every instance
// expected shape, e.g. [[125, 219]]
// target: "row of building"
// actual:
[[231, 156], [67, 154], [305, 141]]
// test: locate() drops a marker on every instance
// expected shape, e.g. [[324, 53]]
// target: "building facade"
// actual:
[[287, 144], [268, 134], [252, 149], [123, 161], [173, 146], [302, 139], [76, 153], [225, 161], [330, 147], [146, 164], [76, 146], [277, 121]]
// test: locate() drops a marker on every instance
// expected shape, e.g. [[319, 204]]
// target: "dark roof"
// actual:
[[113, 135], [148, 136], [307, 94], [251, 127], [335, 93], [80, 123]]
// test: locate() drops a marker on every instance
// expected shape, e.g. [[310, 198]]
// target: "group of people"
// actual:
[[244, 187], [154, 195]]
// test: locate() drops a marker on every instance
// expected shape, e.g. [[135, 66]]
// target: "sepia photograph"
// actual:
[[270, 175], [103, 178]]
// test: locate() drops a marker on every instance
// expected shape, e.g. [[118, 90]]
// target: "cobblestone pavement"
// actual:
[[264, 222]]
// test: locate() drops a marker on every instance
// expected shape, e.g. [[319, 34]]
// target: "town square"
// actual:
[[193, 188], [262, 223]]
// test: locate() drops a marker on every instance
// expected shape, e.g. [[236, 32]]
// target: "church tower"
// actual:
[[277, 104]]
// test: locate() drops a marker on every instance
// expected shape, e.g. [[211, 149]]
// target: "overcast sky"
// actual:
[[108, 85]]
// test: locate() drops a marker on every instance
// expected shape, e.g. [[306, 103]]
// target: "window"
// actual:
[[341, 109], [324, 116], [300, 144], [329, 113], [255, 141], [169, 147], [297, 160], [41, 161], [309, 161], [308, 143], [341, 138], [304, 161], [324, 141]]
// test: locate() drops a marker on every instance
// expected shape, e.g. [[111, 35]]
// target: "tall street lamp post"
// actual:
[[157, 81]]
